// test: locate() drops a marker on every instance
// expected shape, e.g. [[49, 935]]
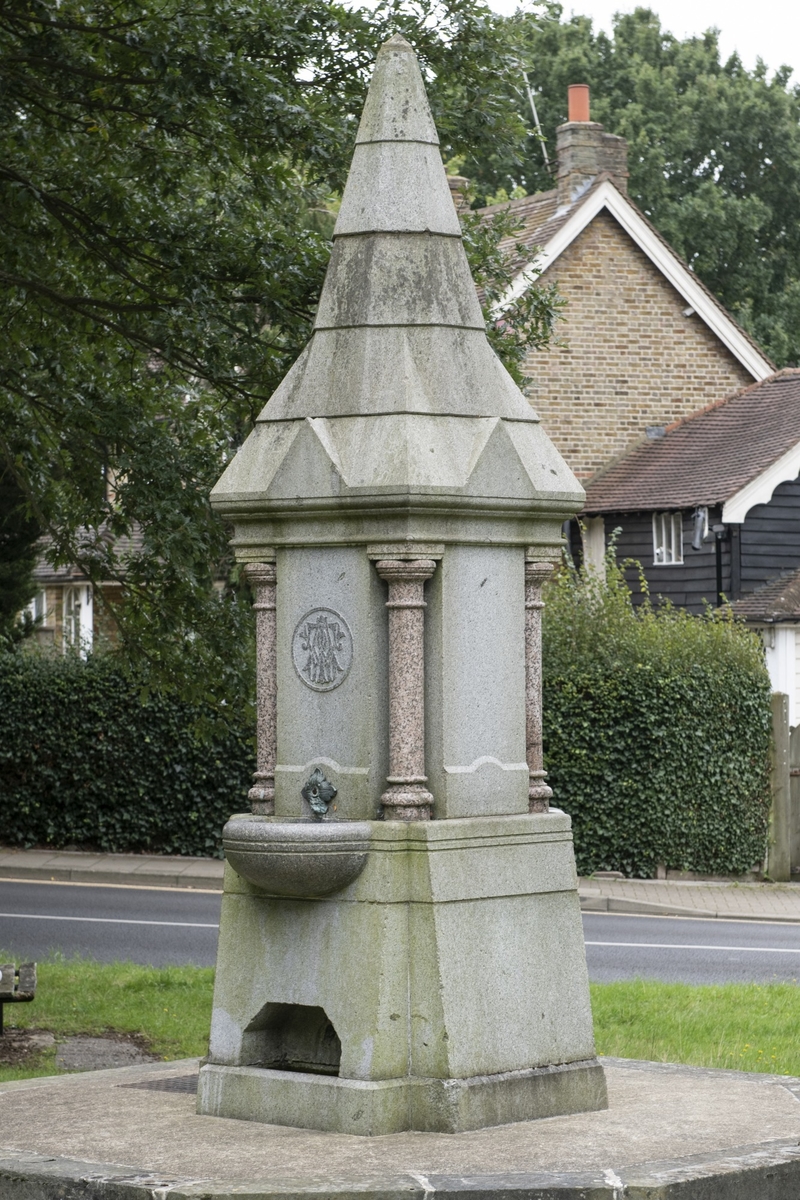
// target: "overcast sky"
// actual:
[[768, 29]]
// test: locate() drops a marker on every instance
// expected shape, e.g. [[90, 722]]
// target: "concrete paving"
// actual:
[[693, 898], [669, 1132], [128, 870]]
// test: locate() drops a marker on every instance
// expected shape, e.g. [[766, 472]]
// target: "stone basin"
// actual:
[[297, 857]]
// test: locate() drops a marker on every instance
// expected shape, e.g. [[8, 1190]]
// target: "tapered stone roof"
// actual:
[[398, 391]]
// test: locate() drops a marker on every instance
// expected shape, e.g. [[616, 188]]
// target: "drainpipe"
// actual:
[[719, 534]]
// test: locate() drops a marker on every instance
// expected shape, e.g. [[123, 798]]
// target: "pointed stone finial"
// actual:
[[397, 108], [398, 389], [397, 183]]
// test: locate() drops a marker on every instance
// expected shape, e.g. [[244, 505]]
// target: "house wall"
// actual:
[[691, 584], [770, 537], [781, 646], [769, 542], [105, 631], [631, 359]]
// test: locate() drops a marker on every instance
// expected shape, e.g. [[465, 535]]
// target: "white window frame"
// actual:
[[38, 608], [78, 618], [667, 539]]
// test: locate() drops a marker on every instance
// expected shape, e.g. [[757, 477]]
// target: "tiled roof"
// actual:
[[45, 573], [778, 600], [707, 457], [540, 217]]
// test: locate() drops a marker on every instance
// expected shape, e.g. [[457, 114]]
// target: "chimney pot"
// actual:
[[584, 150], [458, 190], [578, 102]]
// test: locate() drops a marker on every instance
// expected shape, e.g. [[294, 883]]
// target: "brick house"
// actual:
[[710, 508], [683, 434], [645, 342], [67, 613]]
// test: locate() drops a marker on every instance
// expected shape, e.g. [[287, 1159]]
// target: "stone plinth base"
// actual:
[[356, 1106], [443, 989], [669, 1133]]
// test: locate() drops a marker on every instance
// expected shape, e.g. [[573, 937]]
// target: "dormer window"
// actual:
[[667, 539]]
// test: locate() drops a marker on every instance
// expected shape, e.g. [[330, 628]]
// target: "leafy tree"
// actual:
[[714, 151], [18, 536], [165, 178]]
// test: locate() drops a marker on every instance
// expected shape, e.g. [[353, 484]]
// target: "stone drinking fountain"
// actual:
[[400, 944]]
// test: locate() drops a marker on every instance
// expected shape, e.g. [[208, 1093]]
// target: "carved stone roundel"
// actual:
[[322, 649]]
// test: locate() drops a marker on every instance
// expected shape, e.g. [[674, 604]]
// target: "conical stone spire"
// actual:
[[398, 389]]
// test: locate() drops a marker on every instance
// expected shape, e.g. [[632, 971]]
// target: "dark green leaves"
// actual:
[[167, 175], [84, 762], [656, 731]]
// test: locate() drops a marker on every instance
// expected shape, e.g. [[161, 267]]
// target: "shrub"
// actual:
[[656, 730], [87, 760]]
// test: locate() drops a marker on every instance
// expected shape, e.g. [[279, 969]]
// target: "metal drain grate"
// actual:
[[175, 1083]]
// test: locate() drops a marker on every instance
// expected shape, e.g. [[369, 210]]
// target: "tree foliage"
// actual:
[[19, 534], [165, 178], [714, 151]]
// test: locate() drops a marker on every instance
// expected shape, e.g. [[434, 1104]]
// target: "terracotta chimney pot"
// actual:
[[578, 102], [584, 150]]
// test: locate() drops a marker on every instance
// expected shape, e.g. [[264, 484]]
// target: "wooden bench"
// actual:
[[16, 986]]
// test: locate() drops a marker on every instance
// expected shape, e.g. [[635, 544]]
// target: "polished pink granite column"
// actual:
[[406, 798], [539, 794], [262, 577]]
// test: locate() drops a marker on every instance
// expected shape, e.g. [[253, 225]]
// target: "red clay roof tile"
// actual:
[[707, 457]]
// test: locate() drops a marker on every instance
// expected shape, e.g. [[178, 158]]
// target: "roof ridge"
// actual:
[[567, 211]]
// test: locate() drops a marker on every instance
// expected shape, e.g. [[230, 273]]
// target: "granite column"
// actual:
[[406, 798], [263, 579], [539, 794]]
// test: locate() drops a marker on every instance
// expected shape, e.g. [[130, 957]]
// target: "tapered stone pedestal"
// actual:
[[444, 989]]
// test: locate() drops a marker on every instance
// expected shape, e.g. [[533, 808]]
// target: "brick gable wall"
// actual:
[[631, 358]]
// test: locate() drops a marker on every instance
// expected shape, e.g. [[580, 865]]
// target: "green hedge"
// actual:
[[656, 734], [84, 761], [656, 731]]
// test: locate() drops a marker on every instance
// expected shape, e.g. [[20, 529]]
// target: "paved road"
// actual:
[[162, 926], [144, 925], [690, 950]]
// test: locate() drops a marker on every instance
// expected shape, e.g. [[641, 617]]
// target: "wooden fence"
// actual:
[[783, 855]]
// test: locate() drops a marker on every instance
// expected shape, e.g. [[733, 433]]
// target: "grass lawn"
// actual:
[[741, 1026], [169, 1006], [747, 1027]]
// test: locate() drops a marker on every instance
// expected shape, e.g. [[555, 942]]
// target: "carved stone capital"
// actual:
[[537, 573], [397, 570]]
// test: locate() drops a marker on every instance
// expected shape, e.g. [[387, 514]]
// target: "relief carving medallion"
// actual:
[[322, 649]]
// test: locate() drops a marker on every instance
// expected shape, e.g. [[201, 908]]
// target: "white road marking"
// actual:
[[111, 921], [692, 946]]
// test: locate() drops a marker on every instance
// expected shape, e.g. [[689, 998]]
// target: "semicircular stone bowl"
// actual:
[[297, 857]]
